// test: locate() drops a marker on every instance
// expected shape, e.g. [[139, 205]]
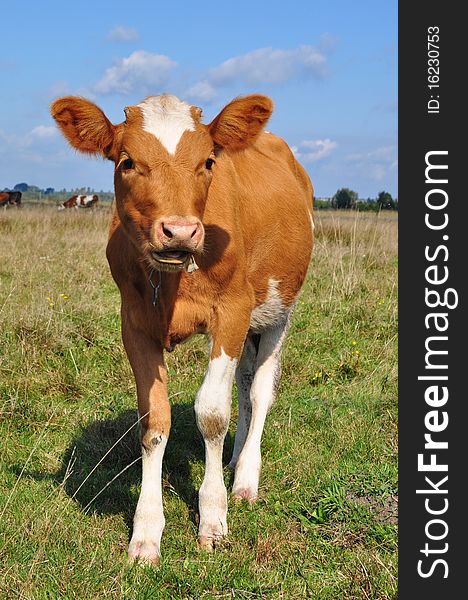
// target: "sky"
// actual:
[[330, 68]]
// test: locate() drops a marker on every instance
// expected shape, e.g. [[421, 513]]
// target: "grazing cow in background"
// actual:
[[4, 199], [80, 202], [10, 199], [212, 234]]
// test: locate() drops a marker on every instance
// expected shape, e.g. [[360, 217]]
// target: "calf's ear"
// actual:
[[84, 125], [240, 122]]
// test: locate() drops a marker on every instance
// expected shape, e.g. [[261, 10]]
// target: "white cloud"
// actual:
[[382, 154], [144, 72], [39, 145], [328, 42], [313, 150], [64, 89], [61, 88], [36, 143], [376, 163], [264, 66], [202, 91], [122, 34], [43, 132], [269, 65], [31, 140], [376, 172], [141, 72]]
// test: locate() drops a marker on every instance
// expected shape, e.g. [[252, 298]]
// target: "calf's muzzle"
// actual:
[[179, 234]]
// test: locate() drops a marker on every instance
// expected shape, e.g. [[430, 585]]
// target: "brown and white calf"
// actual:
[[10, 199], [80, 202], [211, 234]]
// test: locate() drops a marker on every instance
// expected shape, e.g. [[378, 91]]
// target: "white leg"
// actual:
[[262, 395], [213, 409], [148, 523], [244, 376]]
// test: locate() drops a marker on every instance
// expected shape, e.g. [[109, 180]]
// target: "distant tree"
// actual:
[[21, 187], [385, 201], [49, 190], [322, 203], [344, 198]]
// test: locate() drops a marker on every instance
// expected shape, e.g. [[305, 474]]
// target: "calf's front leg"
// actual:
[[146, 359], [213, 410]]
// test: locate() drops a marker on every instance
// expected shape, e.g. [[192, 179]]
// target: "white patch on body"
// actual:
[[148, 523], [167, 118], [271, 311], [213, 408]]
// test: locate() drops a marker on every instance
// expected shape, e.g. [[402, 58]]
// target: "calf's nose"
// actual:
[[174, 233]]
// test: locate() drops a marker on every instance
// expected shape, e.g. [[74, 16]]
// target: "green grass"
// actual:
[[325, 524]]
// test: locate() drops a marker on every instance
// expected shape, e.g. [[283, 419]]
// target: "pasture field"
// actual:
[[325, 524]]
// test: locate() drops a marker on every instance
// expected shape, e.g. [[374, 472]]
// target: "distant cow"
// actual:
[[10, 199], [212, 234], [80, 202]]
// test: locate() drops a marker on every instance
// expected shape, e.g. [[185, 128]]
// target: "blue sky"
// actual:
[[330, 68]]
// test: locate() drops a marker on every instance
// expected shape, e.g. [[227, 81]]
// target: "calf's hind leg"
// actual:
[[213, 410], [244, 376], [267, 371]]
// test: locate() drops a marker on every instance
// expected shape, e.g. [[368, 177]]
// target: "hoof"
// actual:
[[209, 543], [145, 553], [245, 494]]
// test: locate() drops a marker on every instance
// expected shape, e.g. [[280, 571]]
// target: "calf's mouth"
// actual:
[[171, 257]]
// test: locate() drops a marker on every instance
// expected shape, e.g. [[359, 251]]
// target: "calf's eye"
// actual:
[[128, 164], [209, 163]]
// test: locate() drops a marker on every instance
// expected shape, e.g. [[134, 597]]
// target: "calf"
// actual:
[[211, 234], [79, 202]]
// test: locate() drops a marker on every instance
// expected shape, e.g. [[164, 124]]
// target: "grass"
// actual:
[[325, 524]]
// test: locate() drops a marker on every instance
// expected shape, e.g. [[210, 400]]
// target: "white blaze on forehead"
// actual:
[[167, 118]]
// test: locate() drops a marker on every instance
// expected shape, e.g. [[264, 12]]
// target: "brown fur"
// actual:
[[83, 124], [212, 426], [240, 122], [254, 206]]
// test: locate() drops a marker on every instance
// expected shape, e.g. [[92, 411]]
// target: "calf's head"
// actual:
[[165, 160]]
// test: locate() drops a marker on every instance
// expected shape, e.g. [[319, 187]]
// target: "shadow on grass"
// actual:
[[87, 449]]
